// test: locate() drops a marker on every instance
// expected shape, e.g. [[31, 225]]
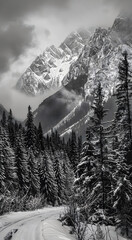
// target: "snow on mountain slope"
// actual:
[[100, 58], [98, 61], [50, 68], [56, 107]]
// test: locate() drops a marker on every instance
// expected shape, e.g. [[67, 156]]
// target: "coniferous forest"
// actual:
[[94, 178]]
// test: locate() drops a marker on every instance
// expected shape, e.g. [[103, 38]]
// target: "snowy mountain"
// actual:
[[49, 69], [98, 60]]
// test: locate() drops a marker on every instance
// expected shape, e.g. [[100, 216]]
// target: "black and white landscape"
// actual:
[[66, 120]]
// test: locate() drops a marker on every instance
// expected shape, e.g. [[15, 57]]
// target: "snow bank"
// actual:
[[53, 229]]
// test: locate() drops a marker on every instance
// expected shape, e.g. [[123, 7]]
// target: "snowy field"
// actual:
[[43, 225]]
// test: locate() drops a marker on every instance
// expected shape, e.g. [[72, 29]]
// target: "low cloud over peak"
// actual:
[[14, 40]]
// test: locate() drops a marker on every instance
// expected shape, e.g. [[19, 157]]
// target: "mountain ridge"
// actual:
[[49, 69], [98, 61]]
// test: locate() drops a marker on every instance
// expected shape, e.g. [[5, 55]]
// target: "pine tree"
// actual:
[[4, 120], [34, 179], [8, 159], [67, 174], [59, 179], [122, 145], [2, 168], [73, 153], [122, 195], [11, 129], [123, 113], [40, 138], [22, 168], [16, 127], [48, 187], [79, 147], [85, 170], [99, 181], [30, 135]]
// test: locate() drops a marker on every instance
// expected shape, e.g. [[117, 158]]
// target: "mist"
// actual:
[[19, 102], [29, 27]]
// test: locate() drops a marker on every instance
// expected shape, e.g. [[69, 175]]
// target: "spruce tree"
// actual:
[[34, 179], [30, 134], [11, 129], [98, 180], [40, 138], [4, 120], [79, 147], [22, 168], [122, 181], [59, 178], [2, 167], [8, 156], [85, 171], [67, 174], [123, 114], [73, 153], [48, 187]]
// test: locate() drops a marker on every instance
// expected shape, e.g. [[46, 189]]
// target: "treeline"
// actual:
[[38, 170], [103, 183], [35, 170]]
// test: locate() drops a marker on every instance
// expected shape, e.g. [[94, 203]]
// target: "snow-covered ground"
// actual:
[[35, 225], [43, 225]]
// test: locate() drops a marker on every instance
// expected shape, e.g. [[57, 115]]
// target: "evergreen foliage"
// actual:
[[38, 168]]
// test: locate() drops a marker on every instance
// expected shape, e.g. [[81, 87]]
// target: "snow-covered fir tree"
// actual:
[[40, 139], [34, 179], [122, 147], [8, 156], [22, 166], [2, 167], [30, 133], [123, 128], [48, 185], [93, 175], [84, 173], [59, 178], [11, 129], [73, 152]]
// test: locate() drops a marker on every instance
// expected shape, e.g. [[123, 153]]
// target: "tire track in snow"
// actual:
[[28, 227]]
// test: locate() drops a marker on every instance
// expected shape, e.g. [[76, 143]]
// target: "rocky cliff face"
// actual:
[[98, 61], [50, 68]]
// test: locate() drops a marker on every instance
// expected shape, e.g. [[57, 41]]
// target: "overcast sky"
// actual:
[[29, 26]]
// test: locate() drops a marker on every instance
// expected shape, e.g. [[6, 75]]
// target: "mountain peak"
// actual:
[[49, 69], [123, 27]]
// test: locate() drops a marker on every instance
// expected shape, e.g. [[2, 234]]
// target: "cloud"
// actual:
[[121, 4], [10, 10], [29, 26], [14, 40], [47, 32], [15, 35]]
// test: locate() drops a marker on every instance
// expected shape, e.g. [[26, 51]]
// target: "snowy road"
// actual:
[[35, 225]]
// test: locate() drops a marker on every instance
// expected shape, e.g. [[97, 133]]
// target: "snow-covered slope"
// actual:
[[98, 60], [49, 69]]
